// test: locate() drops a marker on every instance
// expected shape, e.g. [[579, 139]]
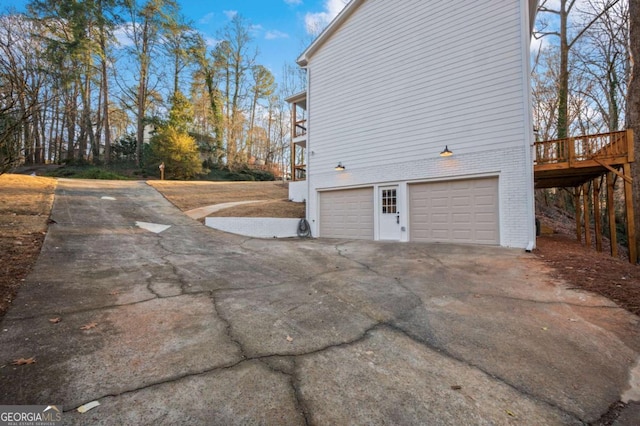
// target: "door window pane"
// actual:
[[388, 201]]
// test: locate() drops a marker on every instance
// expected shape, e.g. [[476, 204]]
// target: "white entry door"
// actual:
[[389, 216]]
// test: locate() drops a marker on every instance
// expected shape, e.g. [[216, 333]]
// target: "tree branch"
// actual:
[[593, 21]]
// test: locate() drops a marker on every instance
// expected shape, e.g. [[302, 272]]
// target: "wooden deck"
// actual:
[[574, 161], [582, 163]]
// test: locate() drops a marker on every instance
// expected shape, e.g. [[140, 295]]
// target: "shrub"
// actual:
[[178, 151]]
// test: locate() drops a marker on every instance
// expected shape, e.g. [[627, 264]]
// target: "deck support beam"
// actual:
[[596, 213], [578, 208], [611, 211], [587, 220], [631, 225]]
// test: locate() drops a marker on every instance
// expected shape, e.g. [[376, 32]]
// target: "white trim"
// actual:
[[483, 175], [303, 59], [528, 115]]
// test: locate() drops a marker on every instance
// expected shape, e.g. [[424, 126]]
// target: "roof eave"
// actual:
[[303, 59], [296, 97]]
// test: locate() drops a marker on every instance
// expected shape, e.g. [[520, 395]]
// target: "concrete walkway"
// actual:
[[188, 325]]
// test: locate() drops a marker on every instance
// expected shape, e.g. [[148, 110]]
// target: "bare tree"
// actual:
[[633, 105], [145, 31], [263, 87], [567, 42]]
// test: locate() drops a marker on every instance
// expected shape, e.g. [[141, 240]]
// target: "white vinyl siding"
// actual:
[[460, 211], [347, 213], [399, 81]]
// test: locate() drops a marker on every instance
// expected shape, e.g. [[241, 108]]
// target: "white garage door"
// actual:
[[347, 213], [461, 211]]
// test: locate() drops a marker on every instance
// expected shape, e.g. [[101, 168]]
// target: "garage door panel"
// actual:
[[461, 235], [347, 214], [488, 218], [460, 202], [461, 218], [441, 202], [463, 211]]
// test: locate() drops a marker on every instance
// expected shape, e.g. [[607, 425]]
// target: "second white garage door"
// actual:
[[347, 213], [462, 211]]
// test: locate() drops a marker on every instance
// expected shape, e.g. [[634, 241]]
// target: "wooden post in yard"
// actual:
[[587, 220], [631, 225], [596, 213], [611, 211], [576, 204]]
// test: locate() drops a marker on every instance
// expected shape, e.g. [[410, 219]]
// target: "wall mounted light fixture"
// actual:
[[446, 152], [340, 167]]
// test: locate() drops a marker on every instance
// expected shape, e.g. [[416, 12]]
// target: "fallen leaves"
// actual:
[[89, 326], [55, 320], [24, 361]]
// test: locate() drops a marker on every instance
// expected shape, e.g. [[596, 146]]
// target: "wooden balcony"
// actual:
[[573, 161], [300, 128], [298, 135], [581, 163], [299, 172]]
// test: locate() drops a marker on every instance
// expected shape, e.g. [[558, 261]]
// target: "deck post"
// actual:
[[572, 150], [630, 146], [631, 225], [587, 220], [292, 146], [611, 212], [596, 214], [578, 207]]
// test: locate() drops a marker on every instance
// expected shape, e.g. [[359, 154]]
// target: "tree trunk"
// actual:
[[633, 106], [87, 125], [142, 92], [563, 83], [105, 114]]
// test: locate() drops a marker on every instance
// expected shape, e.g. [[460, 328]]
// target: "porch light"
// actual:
[[446, 152], [340, 167]]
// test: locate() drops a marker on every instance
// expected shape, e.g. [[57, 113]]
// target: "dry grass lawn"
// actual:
[[25, 205], [191, 195], [277, 208]]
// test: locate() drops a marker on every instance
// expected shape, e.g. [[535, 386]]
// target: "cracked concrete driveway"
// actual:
[[194, 326]]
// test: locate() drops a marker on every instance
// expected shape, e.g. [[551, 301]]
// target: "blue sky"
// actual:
[[281, 28]]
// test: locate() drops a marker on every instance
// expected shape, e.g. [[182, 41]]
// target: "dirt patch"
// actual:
[[25, 205], [191, 195], [587, 269]]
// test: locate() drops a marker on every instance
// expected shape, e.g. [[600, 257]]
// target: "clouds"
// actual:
[[275, 34], [230, 14], [316, 22], [206, 18], [293, 2]]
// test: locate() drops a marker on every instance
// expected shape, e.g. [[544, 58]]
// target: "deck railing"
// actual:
[[300, 128], [581, 148]]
